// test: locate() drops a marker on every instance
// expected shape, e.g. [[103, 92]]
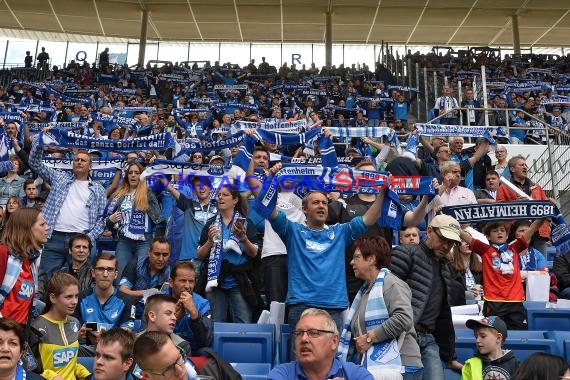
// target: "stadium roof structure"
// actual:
[[411, 22]]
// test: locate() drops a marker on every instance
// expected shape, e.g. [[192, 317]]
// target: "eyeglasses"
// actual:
[[312, 333], [170, 370], [104, 270], [444, 239]]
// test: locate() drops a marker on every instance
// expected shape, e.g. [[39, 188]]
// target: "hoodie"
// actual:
[[480, 367]]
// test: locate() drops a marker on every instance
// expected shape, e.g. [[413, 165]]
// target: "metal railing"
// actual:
[[557, 148]]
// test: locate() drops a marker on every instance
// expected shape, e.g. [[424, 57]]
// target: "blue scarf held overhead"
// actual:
[[68, 139]]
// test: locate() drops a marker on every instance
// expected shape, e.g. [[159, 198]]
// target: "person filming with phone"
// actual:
[[229, 244]]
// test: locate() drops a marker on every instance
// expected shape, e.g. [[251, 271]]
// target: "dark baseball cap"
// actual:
[[491, 321]]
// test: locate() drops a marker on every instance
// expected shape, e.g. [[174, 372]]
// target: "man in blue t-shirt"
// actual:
[[315, 255]]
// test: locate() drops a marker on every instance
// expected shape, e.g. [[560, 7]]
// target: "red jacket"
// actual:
[[504, 194]]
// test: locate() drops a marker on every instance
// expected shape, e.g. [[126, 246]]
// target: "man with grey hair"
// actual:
[[450, 192], [316, 342]]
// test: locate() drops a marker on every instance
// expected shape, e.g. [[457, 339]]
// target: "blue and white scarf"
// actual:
[[275, 125], [245, 153], [13, 269], [215, 260], [383, 358], [190, 147], [101, 168], [68, 139], [425, 129], [366, 132]]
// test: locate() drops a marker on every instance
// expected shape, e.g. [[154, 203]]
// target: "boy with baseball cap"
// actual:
[[491, 361]]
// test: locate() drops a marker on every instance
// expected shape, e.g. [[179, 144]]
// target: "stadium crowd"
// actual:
[[100, 238]]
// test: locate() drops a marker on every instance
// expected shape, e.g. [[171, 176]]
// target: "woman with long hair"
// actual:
[[59, 343], [20, 243], [12, 205], [229, 243], [468, 274], [542, 366], [135, 214], [380, 316]]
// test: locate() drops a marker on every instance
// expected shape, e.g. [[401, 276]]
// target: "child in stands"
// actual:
[[490, 361], [504, 294]]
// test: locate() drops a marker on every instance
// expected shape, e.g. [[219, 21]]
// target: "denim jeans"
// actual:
[[565, 293], [224, 300], [413, 375], [55, 254], [430, 356], [127, 249]]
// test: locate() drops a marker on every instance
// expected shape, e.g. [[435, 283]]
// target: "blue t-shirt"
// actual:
[[400, 110], [195, 217], [343, 370], [316, 261]]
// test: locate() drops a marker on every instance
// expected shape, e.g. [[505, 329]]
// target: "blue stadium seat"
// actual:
[[465, 332], [524, 334], [465, 347], [451, 374], [285, 344], [245, 342], [567, 351], [86, 362], [548, 319], [252, 371], [534, 304], [560, 337], [525, 347]]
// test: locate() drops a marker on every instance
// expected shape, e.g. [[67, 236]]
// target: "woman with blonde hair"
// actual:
[[134, 217], [20, 243]]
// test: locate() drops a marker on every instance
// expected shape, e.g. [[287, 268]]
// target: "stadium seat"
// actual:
[[465, 332], [451, 374], [86, 362], [525, 347], [285, 344], [245, 342], [560, 337], [252, 371], [465, 347], [548, 319], [524, 334], [567, 351], [534, 304]]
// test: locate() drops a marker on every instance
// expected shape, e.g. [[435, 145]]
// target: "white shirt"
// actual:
[[74, 213]]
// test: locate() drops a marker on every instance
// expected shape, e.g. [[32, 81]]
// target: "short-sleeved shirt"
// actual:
[[316, 261], [501, 287]]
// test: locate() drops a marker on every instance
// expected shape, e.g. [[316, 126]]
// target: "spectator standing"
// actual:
[[20, 246], [519, 178], [444, 106], [104, 59], [43, 59], [75, 204], [425, 268], [28, 60]]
